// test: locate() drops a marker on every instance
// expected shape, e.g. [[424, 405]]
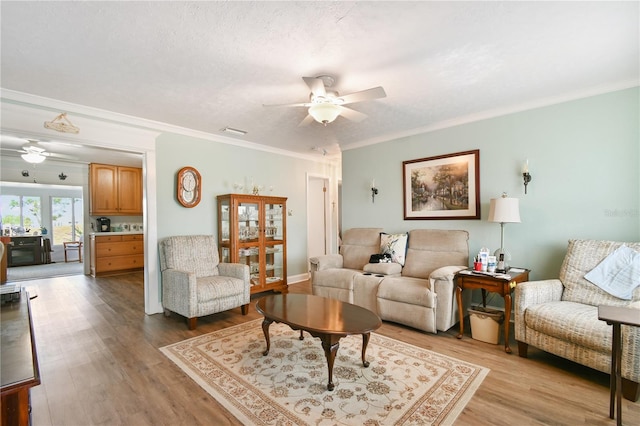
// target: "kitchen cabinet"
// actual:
[[115, 190], [252, 230], [115, 254]]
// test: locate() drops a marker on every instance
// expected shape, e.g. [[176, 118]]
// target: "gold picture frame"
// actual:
[[442, 187]]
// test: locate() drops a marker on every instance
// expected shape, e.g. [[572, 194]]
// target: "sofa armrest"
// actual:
[[445, 273], [179, 291], [441, 282], [536, 292], [235, 270], [327, 261], [532, 293]]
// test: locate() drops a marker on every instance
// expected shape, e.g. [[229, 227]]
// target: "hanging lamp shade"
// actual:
[[33, 157], [324, 112]]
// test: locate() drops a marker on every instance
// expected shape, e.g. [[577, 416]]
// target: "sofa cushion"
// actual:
[[358, 244], [572, 322], [582, 256], [618, 274], [394, 245], [218, 287], [412, 291], [430, 249]]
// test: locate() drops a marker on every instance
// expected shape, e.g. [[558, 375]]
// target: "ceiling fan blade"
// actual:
[[301, 104], [352, 114], [364, 95], [307, 120], [32, 148], [19, 151], [56, 155], [316, 85]]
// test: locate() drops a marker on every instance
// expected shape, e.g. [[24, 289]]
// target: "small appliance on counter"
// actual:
[[104, 224]]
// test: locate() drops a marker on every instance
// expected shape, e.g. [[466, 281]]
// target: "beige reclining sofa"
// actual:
[[420, 293], [560, 316]]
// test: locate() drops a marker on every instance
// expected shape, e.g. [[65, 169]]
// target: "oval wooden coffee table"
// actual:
[[327, 319]]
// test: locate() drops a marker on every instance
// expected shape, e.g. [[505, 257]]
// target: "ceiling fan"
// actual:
[[326, 105], [32, 152]]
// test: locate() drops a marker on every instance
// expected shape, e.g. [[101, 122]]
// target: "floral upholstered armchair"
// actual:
[[195, 283]]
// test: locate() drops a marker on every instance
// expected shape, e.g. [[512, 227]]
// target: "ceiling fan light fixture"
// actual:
[[324, 112], [33, 157]]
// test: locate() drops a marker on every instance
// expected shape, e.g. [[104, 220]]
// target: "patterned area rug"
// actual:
[[404, 385]]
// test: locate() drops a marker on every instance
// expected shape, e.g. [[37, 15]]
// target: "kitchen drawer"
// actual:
[[119, 249], [108, 238], [118, 238], [118, 263]]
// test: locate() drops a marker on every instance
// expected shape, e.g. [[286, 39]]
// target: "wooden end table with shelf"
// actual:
[[468, 279]]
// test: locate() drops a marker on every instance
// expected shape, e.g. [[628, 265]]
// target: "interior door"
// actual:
[[318, 218]]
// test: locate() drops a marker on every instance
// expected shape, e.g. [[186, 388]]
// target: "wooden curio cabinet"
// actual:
[[252, 230]]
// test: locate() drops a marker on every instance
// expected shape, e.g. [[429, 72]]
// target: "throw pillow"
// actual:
[[394, 245], [618, 274]]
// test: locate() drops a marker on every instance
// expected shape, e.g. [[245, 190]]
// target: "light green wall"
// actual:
[[221, 165], [584, 158]]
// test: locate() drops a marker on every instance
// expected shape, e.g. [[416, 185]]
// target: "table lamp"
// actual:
[[504, 210]]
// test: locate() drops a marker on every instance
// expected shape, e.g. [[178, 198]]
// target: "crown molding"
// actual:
[[499, 112], [75, 110]]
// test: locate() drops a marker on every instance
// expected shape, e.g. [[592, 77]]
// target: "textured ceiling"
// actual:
[[207, 65]]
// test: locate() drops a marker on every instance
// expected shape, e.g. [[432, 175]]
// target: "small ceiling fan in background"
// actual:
[[33, 151], [326, 105]]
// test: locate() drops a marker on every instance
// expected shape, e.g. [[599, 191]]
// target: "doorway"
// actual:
[[319, 217], [42, 216]]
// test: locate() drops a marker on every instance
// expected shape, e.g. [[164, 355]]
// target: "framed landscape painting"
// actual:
[[442, 187]]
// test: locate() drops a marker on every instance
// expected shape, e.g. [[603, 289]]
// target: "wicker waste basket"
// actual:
[[485, 324]]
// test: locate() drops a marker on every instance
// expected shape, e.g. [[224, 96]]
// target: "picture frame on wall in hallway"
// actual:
[[442, 187]]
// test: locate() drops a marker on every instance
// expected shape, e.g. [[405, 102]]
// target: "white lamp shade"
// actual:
[[324, 112], [33, 157], [504, 210]]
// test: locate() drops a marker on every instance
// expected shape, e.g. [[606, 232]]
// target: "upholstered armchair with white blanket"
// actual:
[[560, 316], [195, 283]]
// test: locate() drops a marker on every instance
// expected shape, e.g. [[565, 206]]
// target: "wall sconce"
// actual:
[[525, 175], [374, 191], [62, 176]]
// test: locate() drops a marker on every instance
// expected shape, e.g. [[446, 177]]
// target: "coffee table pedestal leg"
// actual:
[[365, 342], [330, 344], [265, 329]]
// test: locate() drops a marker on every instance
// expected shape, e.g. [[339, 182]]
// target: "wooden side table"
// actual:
[[616, 315], [468, 279]]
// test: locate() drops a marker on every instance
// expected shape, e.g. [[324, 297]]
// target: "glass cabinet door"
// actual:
[[225, 230], [274, 245], [248, 216]]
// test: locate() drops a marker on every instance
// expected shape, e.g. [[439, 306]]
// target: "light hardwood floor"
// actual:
[[100, 364]]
